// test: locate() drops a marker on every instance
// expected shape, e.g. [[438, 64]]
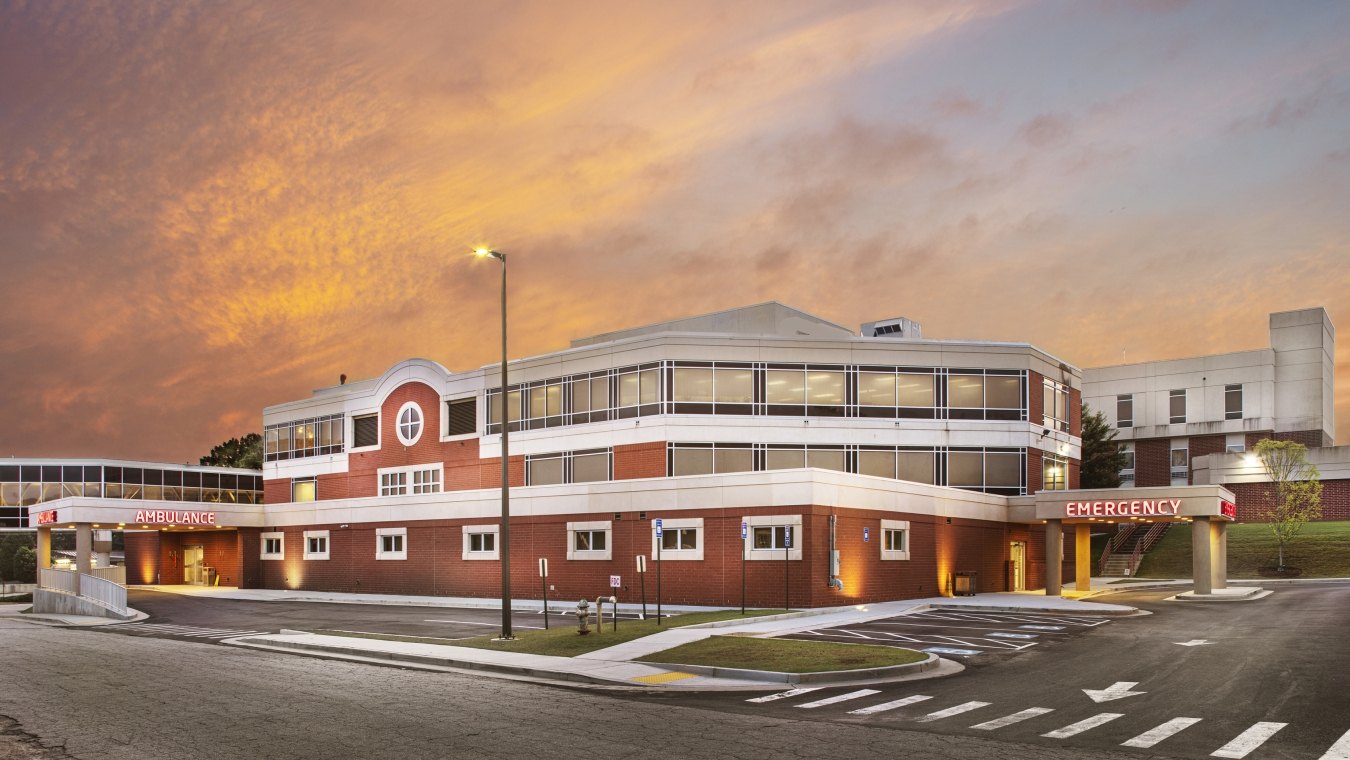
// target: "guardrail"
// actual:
[[1123, 532], [101, 591], [1154, 533]]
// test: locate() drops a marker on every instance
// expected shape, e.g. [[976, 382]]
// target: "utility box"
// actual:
[[964, 584]]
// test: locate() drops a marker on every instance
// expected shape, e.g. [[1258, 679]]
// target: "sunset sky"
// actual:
[[209, 207]]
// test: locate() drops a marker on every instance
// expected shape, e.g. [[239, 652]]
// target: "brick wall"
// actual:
[[1035, 398], [142, 556], [1309, 438], [640, 460], [1075, 412], [1253, 499], [435, 565], [1035, 479], [1203, 445], [1152, 462], [220, 549]]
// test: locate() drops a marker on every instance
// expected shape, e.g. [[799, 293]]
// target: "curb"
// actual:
[[827, 677], [352, 653], [1126, 612]]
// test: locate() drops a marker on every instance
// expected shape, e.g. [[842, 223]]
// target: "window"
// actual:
[[480, 542], [1232, 402], [316, 544], [1056, 400], [773, 537], [303, 438], [769, 534], [1176, 401], [409, 425], [544, 470], [1125, 411], [588, 466], [391, 543], [365, 430], [588, 540], [1054, 473], [416, 479], [303, 489], [1127, 469], [639, 387], [895, 539], [273, 546], [1180, 462], [1235, 443], [461, 416], [681, 538]]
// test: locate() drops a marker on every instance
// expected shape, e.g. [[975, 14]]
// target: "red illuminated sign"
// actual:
[[146, 517], [1228, 509], [1124, 508], [45, 518]]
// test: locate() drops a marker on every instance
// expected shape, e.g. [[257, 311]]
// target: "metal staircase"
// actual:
[[1125, 549]]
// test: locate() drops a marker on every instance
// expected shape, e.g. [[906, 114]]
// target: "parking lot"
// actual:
[[971, 637]]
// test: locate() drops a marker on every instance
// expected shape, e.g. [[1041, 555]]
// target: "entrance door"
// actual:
[[1019, 565], [192, 565]]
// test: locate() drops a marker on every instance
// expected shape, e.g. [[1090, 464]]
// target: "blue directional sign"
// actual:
[[745, 531], [658, 527], [787, 537], [867, 535]]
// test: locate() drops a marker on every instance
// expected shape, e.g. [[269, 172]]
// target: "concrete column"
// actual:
[[1218, 548], [1201, 566], [44, 548], [84, 546], [1082, 557], [1054, 557]]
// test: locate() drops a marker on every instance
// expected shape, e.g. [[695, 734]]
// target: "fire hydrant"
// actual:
[[583, 617]]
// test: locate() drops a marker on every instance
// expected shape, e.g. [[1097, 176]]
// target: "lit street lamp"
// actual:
[[504, 536]]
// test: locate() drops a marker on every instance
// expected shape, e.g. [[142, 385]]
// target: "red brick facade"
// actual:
[[1253, 499], [156, 557]]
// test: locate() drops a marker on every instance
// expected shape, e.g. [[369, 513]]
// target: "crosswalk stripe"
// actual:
[[1248, 740], [1016, 717], [888, 706], [1155, 735], [839, 698], [1340, 750], [784, 694], [950, 711], [219, 634], [1088, 724]]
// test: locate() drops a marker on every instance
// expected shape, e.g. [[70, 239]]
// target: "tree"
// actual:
[[1102, 457], [18, 560], [243, 452], [1298, 490]]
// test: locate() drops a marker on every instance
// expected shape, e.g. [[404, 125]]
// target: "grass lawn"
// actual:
[[1320, 550], [784, 655], [562, 639], [20, 598]]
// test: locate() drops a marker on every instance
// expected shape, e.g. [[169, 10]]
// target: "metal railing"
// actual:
[[1154, 533], [101, 591], [114, 573], [1123, 534]]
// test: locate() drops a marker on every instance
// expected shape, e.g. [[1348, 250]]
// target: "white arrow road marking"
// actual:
[[1017, 717], [784, 694], [839, 698], [1155, 735], [950, 711], [1192, 643], [1248, 740], [1340, 750], [1118, 690], [888, 706], [1083, 725]]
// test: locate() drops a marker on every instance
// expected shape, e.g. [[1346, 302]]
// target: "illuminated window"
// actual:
[[303, 489], [1054, 473]]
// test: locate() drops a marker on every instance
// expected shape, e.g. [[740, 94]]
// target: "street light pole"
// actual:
[[504, 535]]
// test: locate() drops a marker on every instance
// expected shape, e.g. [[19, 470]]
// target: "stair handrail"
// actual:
[[1123, 532], [1154, 533]]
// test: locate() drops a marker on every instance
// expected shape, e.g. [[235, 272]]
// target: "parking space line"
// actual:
[[1159, 733], [785, 694], [1017, 717], [888, 706], [494, 625], [1340, 750], [950, 711], [1248, 740], [839, 698], [1073, 729]]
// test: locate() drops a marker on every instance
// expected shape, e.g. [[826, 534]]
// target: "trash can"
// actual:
[[964, 584], [209, 575]]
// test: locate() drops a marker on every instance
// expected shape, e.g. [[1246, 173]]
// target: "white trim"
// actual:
[[761, 521], [352, 448], [480, 399], [327, 544], [409, 481], [592, 525], [421, 423], [262, 546], [380, 533], [886, 525], [668, 523], [494, 529]]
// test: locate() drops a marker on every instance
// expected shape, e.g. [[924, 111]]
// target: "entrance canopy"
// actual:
[[1115, 505], [143, 514]]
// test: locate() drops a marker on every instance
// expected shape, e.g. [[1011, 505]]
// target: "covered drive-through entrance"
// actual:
[[1208, 509]]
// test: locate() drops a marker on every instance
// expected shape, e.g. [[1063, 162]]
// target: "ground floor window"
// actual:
[[681, 538], [391, 543], [316, 544], [894, 539], [589, 540], [480, 542], [772, 536], [274, 546]]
